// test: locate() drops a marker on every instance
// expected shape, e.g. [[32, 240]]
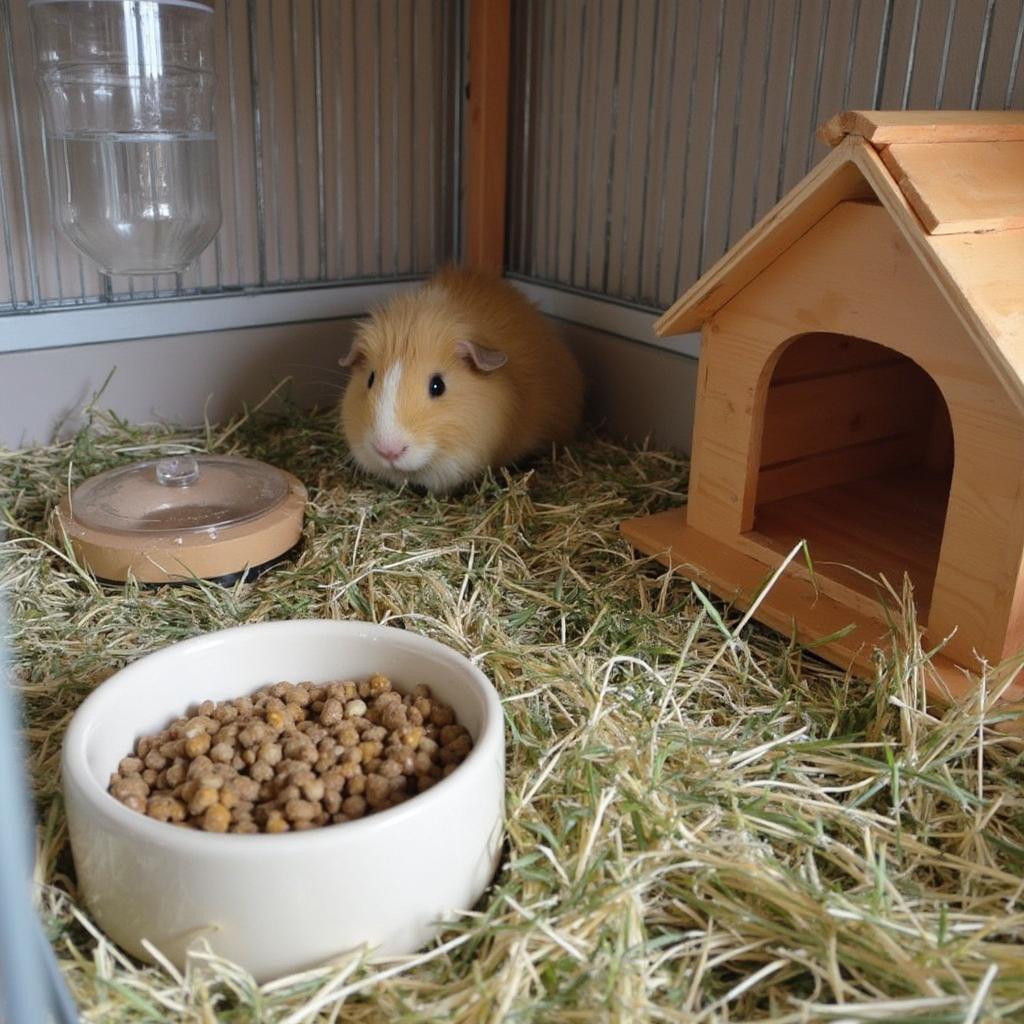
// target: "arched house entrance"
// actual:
[[856, 458], [857, 390]]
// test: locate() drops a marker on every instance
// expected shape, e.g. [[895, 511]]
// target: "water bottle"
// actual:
[[128, 105]]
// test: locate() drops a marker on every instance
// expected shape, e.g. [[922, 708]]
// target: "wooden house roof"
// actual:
[[952, 181]]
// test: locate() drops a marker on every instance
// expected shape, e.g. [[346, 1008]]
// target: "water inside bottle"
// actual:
[[137, 203]]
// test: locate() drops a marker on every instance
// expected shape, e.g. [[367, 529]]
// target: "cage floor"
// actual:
[[701, 826], [889, 524]]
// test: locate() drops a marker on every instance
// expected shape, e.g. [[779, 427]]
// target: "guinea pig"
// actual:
[[462, 374]]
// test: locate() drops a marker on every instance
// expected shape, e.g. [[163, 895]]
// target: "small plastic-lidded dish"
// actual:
[[184, 517]]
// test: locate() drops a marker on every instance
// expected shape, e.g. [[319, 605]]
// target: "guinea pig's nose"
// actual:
[[391, 452]]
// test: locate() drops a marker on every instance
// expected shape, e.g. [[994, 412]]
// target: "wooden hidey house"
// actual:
[[861, 387]]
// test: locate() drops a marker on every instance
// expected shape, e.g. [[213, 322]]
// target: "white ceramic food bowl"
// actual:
[[280, 903]]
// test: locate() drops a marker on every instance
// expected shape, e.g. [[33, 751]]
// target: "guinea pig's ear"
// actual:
[[353, 355], [486, 360]]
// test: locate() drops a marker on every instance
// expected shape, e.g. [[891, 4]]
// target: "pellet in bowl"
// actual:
[[293, 756]]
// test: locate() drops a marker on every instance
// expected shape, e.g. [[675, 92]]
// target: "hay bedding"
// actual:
[[704, 824]]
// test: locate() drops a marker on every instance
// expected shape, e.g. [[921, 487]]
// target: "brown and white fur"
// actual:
[[509, 386]]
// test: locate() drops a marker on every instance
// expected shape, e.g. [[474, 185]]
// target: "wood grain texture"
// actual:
[[988, 271], [826, 261], [794, 606], [855, 274], [487, 118], [979, 274], [820, 414], [785, 479], [887, 524], [840, 409], [957, 187], [835, 179], [726, 435], [884, 127], [821, 354]]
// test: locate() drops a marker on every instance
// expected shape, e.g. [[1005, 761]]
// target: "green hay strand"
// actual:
[[705, 823]]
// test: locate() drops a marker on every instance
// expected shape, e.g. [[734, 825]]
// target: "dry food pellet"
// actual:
[[292, 757], [216, 818], [164, 807]]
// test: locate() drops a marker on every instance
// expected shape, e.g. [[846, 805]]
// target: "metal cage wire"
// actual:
[[645, 135], [339, 133], [649, 135]]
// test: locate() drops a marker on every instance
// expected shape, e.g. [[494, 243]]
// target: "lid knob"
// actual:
[[177, 471]]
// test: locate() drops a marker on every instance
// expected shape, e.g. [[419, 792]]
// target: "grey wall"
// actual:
[[647, 137], [635, 391], [179, 378]]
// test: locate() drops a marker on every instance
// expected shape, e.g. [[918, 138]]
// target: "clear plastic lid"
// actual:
[[179, 494]]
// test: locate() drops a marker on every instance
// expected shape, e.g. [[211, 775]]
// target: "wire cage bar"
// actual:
[[646, 135], [649, 135], [335, 118]]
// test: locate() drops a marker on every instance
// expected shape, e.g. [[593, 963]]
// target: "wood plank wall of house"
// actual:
[[840, 409], [487, 107]]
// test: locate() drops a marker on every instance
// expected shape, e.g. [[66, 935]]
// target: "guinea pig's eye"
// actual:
[[436, 386], [370, 379]]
